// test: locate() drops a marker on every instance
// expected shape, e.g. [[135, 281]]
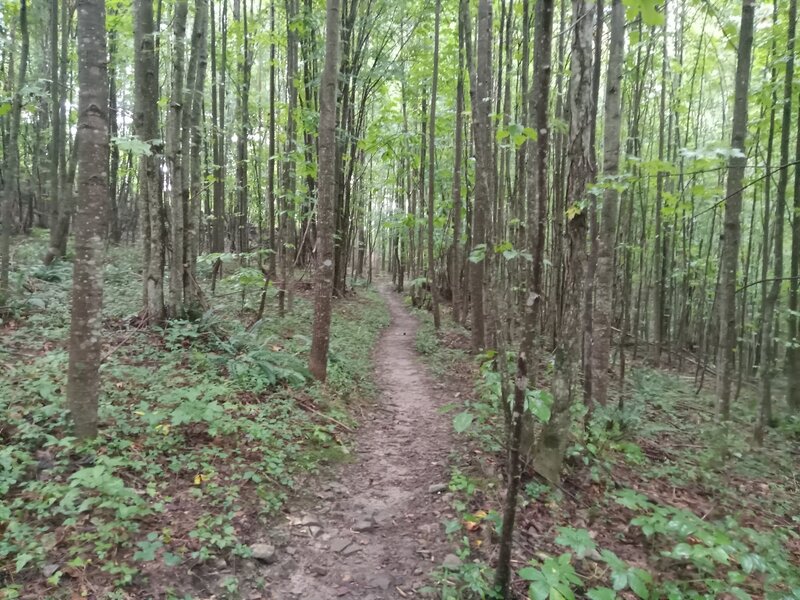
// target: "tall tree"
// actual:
[[146, 127], [175, 156], [484, 169], [771, 296], [218, 124], [537, 196], [603, 308], [11, 191], [196, 88], [83, 385], [55, 119], [554, 436], [455, 270], [431, 169], [326, 193], [731, 235]]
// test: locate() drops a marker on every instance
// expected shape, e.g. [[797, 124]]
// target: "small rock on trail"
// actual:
[[382, 508]]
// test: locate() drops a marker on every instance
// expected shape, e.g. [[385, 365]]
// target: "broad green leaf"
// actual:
[[577, 540], [602, 593], [462, 421]]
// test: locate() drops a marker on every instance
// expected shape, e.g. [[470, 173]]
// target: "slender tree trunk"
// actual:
[[733, 208], [660, 267], [458, 144], [242, 184], [537, 193], [218, 125], [793, 352], [271, 159], [318, 358], [192, 216], [770, 298], [484, 168], [431, 170], [554, 436], [11, 194], [603, 309], [175, 158], [146, 127], [85, 342], [55, 116], [289, 178]]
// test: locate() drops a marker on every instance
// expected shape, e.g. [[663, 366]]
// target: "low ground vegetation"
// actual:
[[206, 429], [659, 499]]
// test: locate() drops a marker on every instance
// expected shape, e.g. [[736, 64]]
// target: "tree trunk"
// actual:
[[146, 127], [326, 192], [793, 352], [431, 171], [175, 158], [733, 208], [770, 298], [455, 250], [242, 186], [603, 309], [484, 168], [192, 216], [537, 191], [85, 342], [218, 126], [554, 436], [12, 161], [55, 107]]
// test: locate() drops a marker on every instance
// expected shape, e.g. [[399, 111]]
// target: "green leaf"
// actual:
[[577, 540], [650, 14], [530, 573], [539, 402], [172, 560], [147, 551], [462, 421], [638, 580], [632, 499], [22, 560], [602, 593]]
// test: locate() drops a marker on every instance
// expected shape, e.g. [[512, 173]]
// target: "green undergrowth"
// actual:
[[659, 500], [205, 427], [444, 351]]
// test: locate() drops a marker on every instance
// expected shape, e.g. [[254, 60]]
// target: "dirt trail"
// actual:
[[376, 530]]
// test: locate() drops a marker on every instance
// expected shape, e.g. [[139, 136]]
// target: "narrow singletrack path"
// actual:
[[375, 529]]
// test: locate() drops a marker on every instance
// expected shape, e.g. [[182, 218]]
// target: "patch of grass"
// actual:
[[204, 429]]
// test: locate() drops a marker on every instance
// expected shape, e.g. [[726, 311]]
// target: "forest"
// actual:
[[378, 299]]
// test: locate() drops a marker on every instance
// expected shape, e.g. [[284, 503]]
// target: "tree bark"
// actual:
[[83, 384], [175, 157], [196, 88], [603, 308], [484, 168], [318, 359], [771, 297], [431, 170], [455, 250], [733, 208], [12, 161], [554, 436], [146, 128]]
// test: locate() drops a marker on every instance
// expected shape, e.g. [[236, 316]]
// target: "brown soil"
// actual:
[[375, 529]]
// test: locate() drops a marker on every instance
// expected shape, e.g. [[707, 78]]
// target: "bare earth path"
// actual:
[[376, 531]]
